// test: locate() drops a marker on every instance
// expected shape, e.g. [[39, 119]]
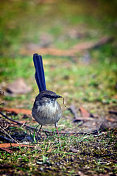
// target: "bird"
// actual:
[[46, 110]]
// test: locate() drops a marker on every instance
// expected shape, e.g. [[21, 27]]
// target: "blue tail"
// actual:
[[39, 72]]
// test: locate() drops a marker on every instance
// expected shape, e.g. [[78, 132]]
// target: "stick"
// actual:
[[69, 52], [2, 129], [46, 131]]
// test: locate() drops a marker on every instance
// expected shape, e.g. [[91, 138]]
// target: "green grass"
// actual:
[[91, 84], [15, 68], [49, 156], [95, 82], [25, 22]]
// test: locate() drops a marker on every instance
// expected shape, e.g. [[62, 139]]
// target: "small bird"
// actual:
[[46, 110]]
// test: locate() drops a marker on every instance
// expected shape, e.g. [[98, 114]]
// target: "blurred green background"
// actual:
[[89, 76], [87, 79]]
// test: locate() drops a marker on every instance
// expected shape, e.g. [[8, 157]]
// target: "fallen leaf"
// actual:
[[73, 150], [115, 96], [7, 150], [85, 113], [8, 145], [111, 119], [19, 86], [49, 150], [17, 111]]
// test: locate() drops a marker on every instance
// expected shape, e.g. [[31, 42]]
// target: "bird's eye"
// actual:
[[47, 96]]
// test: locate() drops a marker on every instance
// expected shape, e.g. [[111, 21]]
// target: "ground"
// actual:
[[86, 78]]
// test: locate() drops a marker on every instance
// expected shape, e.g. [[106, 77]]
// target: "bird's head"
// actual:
[[48, 95]]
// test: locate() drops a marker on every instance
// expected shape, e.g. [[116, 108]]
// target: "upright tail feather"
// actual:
[[39, 72]]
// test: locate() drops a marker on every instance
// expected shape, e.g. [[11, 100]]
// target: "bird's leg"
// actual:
[[40, 129], [37, 131], [56, 129], [57, 133], [37, 127]]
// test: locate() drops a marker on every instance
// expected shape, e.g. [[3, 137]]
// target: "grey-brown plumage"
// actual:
[[46, 109]]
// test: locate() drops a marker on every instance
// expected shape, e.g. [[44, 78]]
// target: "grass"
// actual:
[[96, 87], [67, 157], [90, 83]]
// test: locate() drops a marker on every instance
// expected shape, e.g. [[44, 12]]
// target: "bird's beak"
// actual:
[[58, 96]]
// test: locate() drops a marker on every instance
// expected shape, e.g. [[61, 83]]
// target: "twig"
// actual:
[[113, 112], [45, 131], [102, 41], [71, 52], [2, 129], [18, 123], [6, 139], [85, 116], [6, 150]]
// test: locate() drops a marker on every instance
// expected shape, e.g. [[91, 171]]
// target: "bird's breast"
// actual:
[[47, 113]]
